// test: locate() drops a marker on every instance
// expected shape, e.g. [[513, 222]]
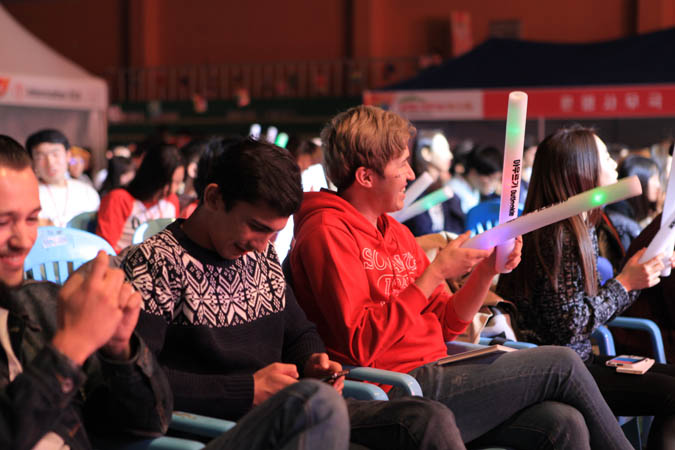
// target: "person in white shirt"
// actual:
[[61, 197]]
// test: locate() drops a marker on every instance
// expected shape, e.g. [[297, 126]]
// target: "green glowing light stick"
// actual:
[[594, 198], [423, 204]]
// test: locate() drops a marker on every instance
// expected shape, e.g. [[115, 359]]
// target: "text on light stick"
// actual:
[[594, 198], [668, 209], [511, 171]]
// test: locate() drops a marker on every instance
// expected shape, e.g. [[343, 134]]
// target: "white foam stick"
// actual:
[[423, 204], [660, 240], [594, 198], [668, 209], [255, 131], [513, 157], [417, 188], [271, 134]]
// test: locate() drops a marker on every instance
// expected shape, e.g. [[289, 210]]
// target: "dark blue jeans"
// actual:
[[306, 415], [500, 399]]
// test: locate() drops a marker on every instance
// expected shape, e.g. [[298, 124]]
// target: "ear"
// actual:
[[425, 153], [212, 198], [364, 177]]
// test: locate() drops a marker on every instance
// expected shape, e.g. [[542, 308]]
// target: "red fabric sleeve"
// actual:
[[326, 264], [112, 214]]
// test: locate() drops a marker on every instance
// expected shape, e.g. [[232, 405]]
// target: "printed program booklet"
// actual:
[[492, 349]]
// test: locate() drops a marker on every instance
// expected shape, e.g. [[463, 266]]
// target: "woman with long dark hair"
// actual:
[[150, 195], [121, 171], [556, 288]]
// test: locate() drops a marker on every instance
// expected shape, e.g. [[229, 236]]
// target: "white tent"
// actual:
[[41, 89]]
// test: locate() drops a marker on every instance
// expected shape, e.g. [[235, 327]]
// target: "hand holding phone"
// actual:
[[330, 379]]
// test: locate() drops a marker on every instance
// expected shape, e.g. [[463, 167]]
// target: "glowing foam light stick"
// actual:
[[423, 204], [255, 131], [661, 239], [282, 140], [271, 135], [513, 157], [594, 198], [668, 210], [417, 188]]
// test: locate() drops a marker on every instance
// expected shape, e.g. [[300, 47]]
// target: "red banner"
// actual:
[[587, 102]]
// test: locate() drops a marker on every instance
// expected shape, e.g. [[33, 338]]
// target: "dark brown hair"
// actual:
[[566, 164]]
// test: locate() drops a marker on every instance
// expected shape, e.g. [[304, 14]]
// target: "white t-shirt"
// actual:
[[62, 203]]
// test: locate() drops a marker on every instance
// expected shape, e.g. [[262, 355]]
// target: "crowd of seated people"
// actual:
[[202, 317]]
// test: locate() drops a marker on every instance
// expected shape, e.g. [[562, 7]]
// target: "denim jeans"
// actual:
[[408, 423], [496, 394], [306, 415]]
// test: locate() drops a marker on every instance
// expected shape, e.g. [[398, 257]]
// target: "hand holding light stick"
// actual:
[[416, 188], [660, 241], [423, 204], [594, 198], [668, 209], [513, 157]]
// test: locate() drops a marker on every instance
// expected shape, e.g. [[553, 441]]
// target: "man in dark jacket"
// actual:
[[69, 358]]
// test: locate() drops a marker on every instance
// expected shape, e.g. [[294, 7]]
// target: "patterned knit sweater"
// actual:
[[213, 322], [566, 316]]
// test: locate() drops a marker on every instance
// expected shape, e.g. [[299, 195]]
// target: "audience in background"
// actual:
[[120, 172], [481, 179], [150, 195], [556, 288], [191, 153], [102, 174], [78, 164], [433, 156], [61, 197]]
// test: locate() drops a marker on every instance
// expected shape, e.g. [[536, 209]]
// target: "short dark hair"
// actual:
[[12, 154], [485, 160], [155, 172], [49, 135], [252, 171]]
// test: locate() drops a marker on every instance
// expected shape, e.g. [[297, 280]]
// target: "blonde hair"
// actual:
[[363, 136]]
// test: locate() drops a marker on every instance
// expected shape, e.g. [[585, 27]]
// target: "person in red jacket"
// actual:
[[378, 302], [150, 195]]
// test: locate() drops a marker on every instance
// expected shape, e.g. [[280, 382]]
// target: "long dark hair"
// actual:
[[156, 171], [566, 164], [117, 166]]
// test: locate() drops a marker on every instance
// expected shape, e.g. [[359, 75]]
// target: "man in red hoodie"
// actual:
[[377, 301]]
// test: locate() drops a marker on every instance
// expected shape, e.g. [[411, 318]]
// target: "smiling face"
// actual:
[[245, 227], [389, 189], [19, 208]]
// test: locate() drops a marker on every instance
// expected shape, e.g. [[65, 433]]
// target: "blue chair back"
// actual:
[[84, 221], [58, 252], [484, 216], [149, 228]]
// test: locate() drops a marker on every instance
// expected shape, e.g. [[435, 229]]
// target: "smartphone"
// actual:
[[330, 379], [625, 360]]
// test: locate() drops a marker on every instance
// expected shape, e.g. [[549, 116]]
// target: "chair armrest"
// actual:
[[605, 340], [400, 380], [199, 425], [160, 443], [636, 323], [363, 391]]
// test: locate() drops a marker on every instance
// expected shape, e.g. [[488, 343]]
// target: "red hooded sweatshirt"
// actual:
[[356, 282]]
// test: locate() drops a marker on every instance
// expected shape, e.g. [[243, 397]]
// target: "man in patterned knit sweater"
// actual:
[[224, 324]]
